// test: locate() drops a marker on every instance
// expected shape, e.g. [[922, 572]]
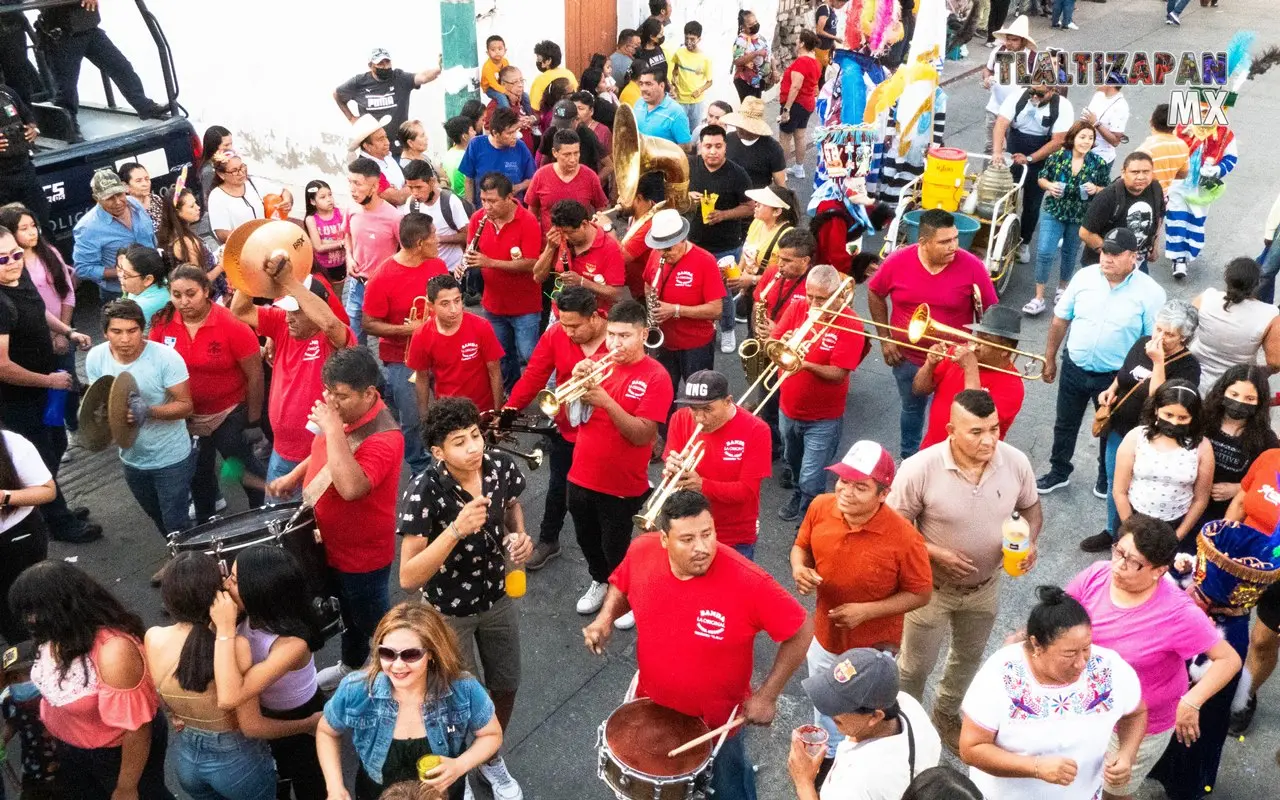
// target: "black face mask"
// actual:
[[382, 73], [753, 29], [1234, 409], [1178, 432]]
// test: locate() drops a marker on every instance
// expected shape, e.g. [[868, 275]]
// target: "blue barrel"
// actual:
[[967, 225]]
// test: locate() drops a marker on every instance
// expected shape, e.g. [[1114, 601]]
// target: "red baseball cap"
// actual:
[[866, 460]]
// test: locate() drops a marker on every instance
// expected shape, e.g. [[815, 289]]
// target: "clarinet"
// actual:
[[472, 246]]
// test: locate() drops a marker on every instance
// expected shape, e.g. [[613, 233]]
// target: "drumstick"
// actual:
[[706, 737]]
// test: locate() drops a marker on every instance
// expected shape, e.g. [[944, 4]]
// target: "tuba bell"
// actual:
[[634, 154]]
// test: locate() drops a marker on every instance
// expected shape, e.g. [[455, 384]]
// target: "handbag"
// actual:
[[1102, 414]]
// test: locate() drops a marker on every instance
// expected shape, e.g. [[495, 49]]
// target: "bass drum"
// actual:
[[288, 526]]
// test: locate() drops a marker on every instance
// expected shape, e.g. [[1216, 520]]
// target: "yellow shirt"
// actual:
[[539, 85], [630, 95], [758, 240], [489, 75], [1169, 155], [690, 72]]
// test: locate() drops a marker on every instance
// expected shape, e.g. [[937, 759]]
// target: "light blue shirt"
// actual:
[[99, 236], [1105, 320], [667, 121], [152, 299], [161, 442]]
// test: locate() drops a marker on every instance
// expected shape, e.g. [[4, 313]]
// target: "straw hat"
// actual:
[[363, 128], [749, 117], [668, 230], [766, 197], [1021, 28]]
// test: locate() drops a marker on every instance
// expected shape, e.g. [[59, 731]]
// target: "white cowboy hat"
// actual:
[[766, 197], [1021, 28], [668, 230], [363, 128], [749, 117]]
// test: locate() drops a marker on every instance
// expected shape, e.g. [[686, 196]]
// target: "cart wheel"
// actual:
[[1005, 253]]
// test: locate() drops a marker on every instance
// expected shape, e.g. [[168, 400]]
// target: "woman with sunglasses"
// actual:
[[1156, 628], [396, 710]]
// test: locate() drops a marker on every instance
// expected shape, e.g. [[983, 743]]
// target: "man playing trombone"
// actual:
[[984, 363], [734, 457], [395, 306], [578, 335], [578, 253]]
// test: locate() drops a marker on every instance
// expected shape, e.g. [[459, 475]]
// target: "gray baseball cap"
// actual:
[[862, 679]]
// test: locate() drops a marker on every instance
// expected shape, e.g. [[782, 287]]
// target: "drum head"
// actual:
[[95, 430], [246, 525], [641, 733]]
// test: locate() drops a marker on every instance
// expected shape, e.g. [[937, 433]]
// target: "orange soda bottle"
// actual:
[[1017, 541]]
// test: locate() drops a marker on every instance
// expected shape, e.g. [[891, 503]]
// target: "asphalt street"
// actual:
[[566, 692]]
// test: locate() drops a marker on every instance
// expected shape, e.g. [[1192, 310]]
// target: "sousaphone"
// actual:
[[634, 154], [250, 245]]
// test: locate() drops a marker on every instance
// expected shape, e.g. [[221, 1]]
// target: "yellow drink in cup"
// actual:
[[426, 764], [708, 205], [1017, 541]]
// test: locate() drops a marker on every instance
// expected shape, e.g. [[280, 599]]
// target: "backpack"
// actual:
[[446, 209]]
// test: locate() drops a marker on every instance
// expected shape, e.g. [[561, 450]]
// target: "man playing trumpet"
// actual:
[[735, 457], [394, 309]]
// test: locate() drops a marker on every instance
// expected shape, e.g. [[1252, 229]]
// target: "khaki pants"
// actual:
[[970, 618]]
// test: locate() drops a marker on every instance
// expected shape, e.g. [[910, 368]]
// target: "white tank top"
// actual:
[[1227, 338], [1164, 481]]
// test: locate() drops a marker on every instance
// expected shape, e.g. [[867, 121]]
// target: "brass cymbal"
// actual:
[[124, 389], [250, 245], [95, 431]]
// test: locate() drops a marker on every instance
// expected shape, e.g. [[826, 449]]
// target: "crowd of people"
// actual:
[[1136, 668]]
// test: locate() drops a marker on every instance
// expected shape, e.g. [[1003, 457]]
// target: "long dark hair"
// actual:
[[942, 783], [176, 234], [185, 272], [147, 261], [1241, 276], [273, 589], [11, 216], [1257, 434], [190, 584], [213, 136], [1175, 393], [556, 91], [790, 215], [309, 195], [61, 605]]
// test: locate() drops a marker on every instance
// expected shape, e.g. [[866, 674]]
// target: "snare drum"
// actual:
[[224, 537], [632, 746]]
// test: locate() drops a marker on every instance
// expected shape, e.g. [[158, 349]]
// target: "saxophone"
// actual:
[[752, 351], [651, 307]]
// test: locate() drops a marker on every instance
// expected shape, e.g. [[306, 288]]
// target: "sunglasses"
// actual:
[[12, 258], [410, 655]]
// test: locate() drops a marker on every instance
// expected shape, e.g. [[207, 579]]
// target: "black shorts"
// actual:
[[1269, 607], [798, 120]]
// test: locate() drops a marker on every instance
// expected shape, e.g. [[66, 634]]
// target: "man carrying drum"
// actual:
[[698, 606]]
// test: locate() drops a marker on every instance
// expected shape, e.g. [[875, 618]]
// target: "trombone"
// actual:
[[924, 326], [551, 400], [419, 311], [690, 457]]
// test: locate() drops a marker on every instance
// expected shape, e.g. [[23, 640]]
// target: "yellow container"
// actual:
[[709, 200], [426, 764], [1017, 543], [942, 185], [516, 583]]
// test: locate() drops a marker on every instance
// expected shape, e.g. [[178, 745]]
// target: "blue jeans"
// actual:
[[726, 311], [365, 599], [1113, 516], [498, 97], [353, 304], [695, 112], [1076, 389], [518, 335], [809, 448], [278, 467], [404, 401], [1270, 261], [914, 406], [1062, 11], [226, 765], [163, 493], [1175, 6], [748, 551], [732, 775], [1051, 230]]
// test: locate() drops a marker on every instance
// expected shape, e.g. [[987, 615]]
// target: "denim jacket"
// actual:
[[450, 718]]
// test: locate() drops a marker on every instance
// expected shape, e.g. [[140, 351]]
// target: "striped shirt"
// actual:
[[1169, 155]]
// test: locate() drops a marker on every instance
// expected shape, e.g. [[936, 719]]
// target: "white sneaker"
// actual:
[[221, 505], [1024, 254], [728, 341], [330, 677], [591, 601], [1071, 26], [797, 170], [625, 622], [500, 781]]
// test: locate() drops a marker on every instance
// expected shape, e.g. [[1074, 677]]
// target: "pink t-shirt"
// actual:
[[1159, 660], [331, 229], [547, 188], [375, 237], [41, 276]]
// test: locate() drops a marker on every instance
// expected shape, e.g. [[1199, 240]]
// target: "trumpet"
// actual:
[[690, 457], [532, 459], [550, 401], [499, 433], [651, 302], [420, 311]]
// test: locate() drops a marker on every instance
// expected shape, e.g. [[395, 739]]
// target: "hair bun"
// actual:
[[1050, 595]]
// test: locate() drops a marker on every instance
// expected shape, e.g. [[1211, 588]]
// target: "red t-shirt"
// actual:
[[459, 362], [695, 638], [547, 188], [832, 236], [637, 253], [805, 396], [738, 456], [360, 535], [295, 384], [691, 281], [375, 237], [391, 293], [554, 353], [907, 284], [808, 71], [334, 298], [213, 357], [1006, 390], [602, 264], [794, 287], [603, 460], [507, 293]]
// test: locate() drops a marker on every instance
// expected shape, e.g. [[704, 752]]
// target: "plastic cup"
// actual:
[[814, 738]]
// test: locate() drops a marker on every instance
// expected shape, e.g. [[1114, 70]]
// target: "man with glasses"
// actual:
[[116, 222], [1030, 126], [512, 80]]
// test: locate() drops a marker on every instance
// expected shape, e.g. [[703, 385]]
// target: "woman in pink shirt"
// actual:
[[97, 698], [1156, 628]]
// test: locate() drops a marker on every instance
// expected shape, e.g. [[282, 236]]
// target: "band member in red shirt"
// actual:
[[690, 296], [735, 459], [578, 253], [947, 377], [505, 252], [395, 307], [455, 353], [698, 606], [651, 190], [353, 473], [579, 334], [812, 400], [609, 479]]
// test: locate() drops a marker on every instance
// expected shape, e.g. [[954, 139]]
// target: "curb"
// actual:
[[961, 76]]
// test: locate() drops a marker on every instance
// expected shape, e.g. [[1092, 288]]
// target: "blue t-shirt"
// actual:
[[161, 442], [667, 121], [152, 299], [482, 157]]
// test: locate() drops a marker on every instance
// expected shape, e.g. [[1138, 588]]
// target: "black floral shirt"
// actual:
[[39, 749], [473, 577]]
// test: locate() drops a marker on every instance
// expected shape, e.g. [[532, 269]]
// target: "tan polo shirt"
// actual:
[[931, 492]]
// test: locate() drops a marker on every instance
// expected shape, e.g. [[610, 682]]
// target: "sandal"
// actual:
[[1034, 307]]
